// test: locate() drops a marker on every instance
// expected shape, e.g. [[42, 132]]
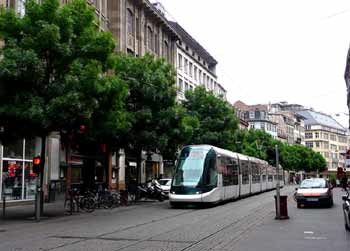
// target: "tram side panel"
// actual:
[[245, 176]]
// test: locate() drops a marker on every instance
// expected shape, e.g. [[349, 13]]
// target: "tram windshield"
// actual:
[[196, 167]]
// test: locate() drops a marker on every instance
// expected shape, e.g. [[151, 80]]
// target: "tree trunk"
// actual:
[[138, 151]]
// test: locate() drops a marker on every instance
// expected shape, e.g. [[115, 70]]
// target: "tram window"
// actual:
[[245, 171], [230, 173], [255, 172], [269, 178], [233, 167], [264, 178], [210, 174]]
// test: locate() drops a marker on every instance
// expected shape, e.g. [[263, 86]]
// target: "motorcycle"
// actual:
[[346, 209], [151, 190]]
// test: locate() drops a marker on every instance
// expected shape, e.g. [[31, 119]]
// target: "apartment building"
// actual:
[[257, 117], [325, 135], [290, 125], [194, 66]]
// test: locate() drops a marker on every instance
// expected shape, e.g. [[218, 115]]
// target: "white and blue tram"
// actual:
[[208, 174]]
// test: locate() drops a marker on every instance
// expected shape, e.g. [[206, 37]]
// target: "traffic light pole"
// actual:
[[38, 198]]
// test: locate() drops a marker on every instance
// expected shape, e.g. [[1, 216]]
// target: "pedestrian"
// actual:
[[344, 182]]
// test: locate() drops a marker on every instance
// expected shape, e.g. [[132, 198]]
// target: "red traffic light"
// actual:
[[37, 160]]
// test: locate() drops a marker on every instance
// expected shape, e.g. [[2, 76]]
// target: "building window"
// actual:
[[179, 63], [130, 18], [251, 115], [200, 77], [190, 69], [333, 137], [186, 65], [317, 144], [195, 72], [308, 135], [309, 144], [317, 135], [166, 53], [150, 38], [180, 87], [156, 44], [138, 34], [186, 86], [18, 181]]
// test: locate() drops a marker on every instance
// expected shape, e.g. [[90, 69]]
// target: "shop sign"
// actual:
[[132, 164], [75, 160]]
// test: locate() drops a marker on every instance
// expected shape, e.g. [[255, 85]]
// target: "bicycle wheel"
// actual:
[[68, 207], [115, 200], [87, 204]]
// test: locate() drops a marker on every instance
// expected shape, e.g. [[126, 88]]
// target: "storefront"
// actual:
[[17, 180]]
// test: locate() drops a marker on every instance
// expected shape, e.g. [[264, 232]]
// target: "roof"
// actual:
[[244, 107], [317, 118], [193, 44]]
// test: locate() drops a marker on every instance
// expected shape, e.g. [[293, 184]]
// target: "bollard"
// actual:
[[283, 208], [3, 206]]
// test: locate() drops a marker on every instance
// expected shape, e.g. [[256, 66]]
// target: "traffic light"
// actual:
[[37, 164]]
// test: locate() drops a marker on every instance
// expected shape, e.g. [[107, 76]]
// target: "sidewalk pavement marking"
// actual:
[[308, 232]]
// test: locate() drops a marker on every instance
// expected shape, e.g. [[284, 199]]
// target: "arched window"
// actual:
[[130, 22]]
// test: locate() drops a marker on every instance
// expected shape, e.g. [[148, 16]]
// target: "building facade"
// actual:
[[194, 66], [290, 126], [257, 117], [139, 27], [325, 135]]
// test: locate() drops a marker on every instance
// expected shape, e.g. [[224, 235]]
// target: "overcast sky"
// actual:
[[274, 50]]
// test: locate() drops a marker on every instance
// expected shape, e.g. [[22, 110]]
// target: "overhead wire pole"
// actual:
[[278, 201]]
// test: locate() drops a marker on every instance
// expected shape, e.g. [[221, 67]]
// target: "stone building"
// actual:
[[257, 117], [325, 135], [139, 27], [194, 66]]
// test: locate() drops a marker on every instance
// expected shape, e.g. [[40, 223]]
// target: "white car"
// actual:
[[314, 191], [165, 185]]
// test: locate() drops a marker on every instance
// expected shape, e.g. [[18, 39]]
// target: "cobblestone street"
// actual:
[[246, 224]]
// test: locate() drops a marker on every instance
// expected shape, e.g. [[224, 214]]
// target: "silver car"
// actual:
[[314, 191], [165, 185]]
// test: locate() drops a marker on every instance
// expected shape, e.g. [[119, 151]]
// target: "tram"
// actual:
[[208, 174]]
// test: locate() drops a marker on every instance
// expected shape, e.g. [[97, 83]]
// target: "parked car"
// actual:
[[314, 191], [165, 185], [346, 209]]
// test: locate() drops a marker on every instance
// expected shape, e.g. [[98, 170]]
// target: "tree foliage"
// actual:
[[260, 144], [157, 122], [216, 120], [53, 71]]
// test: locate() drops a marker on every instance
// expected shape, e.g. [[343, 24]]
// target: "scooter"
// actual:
[[346, 209], [151, 190]]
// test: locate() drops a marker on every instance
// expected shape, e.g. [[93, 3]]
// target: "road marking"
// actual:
[[308, 232], [314, 238]]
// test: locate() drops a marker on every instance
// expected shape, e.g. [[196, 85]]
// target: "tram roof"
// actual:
[[230, 153]]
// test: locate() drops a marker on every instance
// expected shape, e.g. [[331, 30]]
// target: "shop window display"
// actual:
[[18, 182], [12, 179]]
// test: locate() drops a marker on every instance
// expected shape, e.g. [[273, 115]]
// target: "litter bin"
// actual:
[[283, 207]]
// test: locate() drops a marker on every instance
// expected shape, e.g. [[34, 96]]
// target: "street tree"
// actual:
[[217, 121], [54, 71], [157, 122]]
